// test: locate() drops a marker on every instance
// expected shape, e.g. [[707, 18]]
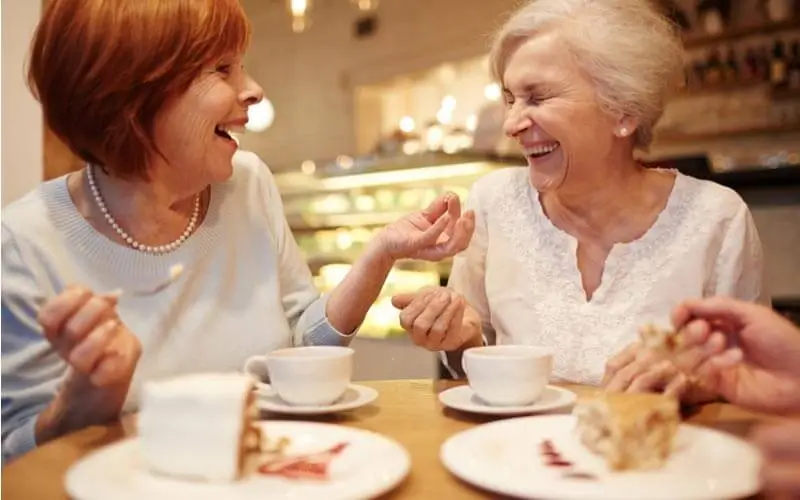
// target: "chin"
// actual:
[[549, 176], [222, 170]]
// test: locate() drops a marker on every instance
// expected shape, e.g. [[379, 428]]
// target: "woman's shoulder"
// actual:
[[711, 200], [31, 216]]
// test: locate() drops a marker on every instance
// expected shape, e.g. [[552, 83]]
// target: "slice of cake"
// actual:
[[661, 340], [199, 427], [631, 431]]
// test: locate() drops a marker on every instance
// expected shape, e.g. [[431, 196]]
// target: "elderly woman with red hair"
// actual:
[[148, 93]]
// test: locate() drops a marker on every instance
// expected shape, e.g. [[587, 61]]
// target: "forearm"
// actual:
[[349, 302]]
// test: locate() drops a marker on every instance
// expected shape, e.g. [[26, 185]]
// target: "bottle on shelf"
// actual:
[[714, 69], [778, 65], [750, 66], [731, 73], [793, 77], [763, 63]]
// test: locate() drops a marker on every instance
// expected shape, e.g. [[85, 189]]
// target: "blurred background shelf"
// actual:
[[738, 33]]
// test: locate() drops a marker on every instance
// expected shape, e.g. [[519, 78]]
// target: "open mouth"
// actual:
[[542, 150], [224, 133]]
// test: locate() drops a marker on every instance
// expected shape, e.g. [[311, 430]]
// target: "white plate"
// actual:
[[370, 466], [504, 457], [462, 398], [355, 396]]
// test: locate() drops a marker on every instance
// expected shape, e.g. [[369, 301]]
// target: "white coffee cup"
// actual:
[[508, 375], [305, 376]]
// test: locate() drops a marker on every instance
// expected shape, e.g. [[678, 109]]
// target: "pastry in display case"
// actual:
[[335, 210]]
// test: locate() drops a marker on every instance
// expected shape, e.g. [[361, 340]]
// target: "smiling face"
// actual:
[[553, 114], [193, 131]]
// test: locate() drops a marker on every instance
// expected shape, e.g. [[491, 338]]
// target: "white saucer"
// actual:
[[504, 457], [462, 398], [354, 397]]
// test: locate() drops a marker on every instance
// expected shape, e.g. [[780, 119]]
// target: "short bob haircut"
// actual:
[[631, 52], [103, 69]]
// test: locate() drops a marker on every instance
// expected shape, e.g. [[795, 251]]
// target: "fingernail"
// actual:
[[114, 294]]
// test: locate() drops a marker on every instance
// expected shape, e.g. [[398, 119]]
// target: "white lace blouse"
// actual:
[[520, 271]]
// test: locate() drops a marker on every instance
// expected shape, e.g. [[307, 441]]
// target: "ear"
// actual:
[[626, 126]]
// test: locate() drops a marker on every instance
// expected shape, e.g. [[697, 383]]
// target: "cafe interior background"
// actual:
[[375, 107]]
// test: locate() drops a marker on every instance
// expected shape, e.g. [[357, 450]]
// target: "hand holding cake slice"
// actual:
[[199, 427], [631, 431]]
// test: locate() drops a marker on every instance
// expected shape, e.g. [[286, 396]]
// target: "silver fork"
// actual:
[[174, 273]]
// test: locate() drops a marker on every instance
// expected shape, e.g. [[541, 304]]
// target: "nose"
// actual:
[[251, 92], [516, 122]]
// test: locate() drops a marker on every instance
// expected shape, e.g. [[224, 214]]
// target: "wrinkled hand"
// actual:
[[677, 373], [780, 446], [758, 364], [438, 232], [87, 333], [434, 318], [638, 369]]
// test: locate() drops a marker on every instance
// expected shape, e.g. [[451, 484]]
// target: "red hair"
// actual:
[[103, 69]]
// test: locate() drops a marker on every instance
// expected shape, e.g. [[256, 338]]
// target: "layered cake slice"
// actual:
[[631, 431], [199, 427]]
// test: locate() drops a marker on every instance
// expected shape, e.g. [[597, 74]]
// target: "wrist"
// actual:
[[377, 254]]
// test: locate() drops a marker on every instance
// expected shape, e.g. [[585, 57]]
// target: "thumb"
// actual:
[[402, 300]]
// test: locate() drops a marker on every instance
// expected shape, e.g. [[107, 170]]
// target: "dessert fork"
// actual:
[[174, 273]]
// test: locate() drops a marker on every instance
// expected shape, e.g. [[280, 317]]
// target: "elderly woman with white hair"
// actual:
[[584, 245]]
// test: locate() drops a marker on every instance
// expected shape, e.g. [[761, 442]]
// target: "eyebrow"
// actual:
[[530, 88]]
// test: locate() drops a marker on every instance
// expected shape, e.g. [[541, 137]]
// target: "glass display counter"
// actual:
[[335, 209]]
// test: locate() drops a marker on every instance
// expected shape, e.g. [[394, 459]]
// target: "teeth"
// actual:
[[226, 131], [541, 150]]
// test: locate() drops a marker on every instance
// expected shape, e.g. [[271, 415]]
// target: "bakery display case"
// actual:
[[336, 208]]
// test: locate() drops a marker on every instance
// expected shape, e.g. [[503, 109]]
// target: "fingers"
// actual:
[[623, 379], [85, 319], [653, 378], [430, 236], [454, 211], [678, 386], [85, 356], [57, 310], [119, 360], [432, 318], [699, 346], [719, 309], [422, 324], [453, 339], [727, 358], [620, 361], [452, 244], [402, 300], [444, 324], [438, 207], [86, 332]]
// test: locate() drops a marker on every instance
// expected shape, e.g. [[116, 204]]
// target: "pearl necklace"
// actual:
[[160, 249]]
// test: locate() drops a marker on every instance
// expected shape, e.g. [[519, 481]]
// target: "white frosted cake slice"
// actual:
[[631, 431], [199, 427]]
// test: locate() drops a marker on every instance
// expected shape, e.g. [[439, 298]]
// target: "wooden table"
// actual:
[[406, 410]]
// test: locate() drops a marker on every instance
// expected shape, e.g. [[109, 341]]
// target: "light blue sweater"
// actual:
[[246, 290]]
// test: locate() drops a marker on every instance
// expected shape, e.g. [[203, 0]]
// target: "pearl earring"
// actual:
[[623, 132]]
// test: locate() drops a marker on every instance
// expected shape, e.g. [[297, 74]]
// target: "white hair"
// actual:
[[631, 52]]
